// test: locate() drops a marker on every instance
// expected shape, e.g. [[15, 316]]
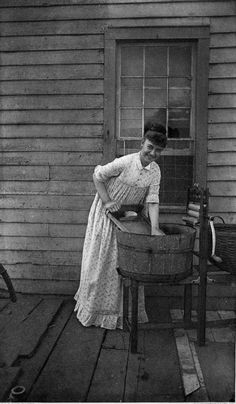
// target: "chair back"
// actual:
[[197, 214]]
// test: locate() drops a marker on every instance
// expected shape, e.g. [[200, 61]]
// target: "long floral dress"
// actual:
[[99, 297]]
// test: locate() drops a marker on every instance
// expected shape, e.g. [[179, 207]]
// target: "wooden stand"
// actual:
[[197, 202]]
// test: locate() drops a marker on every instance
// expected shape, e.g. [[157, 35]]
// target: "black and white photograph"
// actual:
[[117, 201]]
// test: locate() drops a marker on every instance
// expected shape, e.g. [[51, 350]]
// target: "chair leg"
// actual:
[[134, 316], [201, 312], [187, 303]]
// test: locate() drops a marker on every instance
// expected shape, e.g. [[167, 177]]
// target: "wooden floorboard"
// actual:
[[8, 376], [3, 303], [68, 372], [32, 367], [159, 374], [132, 376], [109, 378], [24, 339], [56, 359], [14, 313], [116, 339], [217, 361]]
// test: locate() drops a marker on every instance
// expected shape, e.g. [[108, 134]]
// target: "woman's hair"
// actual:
[[155, 133]]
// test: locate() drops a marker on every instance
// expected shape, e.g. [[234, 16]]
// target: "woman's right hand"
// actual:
[[112, 206]]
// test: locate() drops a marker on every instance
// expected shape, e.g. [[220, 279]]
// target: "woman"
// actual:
[[131, 179]]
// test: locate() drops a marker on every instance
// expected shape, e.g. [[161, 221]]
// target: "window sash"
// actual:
[[141, 78]]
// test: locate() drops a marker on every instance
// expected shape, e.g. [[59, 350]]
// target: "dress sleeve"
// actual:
[[113, 169], [153, 190]]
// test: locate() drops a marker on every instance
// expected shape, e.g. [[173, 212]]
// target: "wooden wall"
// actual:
[[51, 122]]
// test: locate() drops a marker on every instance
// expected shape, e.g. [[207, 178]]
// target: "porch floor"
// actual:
[[45, 349]]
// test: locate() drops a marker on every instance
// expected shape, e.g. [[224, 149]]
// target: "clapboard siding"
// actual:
[[222, 159], [41, 257], [44, 216], [39, 173], [219, 188], [109, 11], [223, 55], [41, 72], [44, 272], [226, 85], [48, 188], [67, 57], [227, 40], [24, 229], [51, 121], [46, 202], [28, 3], [222, 115], [52, 131], [41, 243], [82, 101], [51, 116], [228, 173], [223, 70], [45, 144], [215, 145], [222, 130], [52, 87], [51, 159], [52, 42], [222, 101]]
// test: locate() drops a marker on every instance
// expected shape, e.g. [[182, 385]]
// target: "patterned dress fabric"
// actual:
[[99, 297]]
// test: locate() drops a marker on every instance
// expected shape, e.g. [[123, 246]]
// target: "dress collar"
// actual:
[[140, 166]]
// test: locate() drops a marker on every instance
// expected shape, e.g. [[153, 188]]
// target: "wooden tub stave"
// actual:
[[156, 258]]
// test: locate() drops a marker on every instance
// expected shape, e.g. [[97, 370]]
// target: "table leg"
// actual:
[[134, 316], [187, 303], [126, 284]]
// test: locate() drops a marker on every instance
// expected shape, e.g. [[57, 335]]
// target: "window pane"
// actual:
[[176, 177], [131, 92], [179, 123], [180, 61], [179, 82], [155, 98], [179, 97], [155, 61], [158, 113], [155, 92], [132, 61], [131, 123]]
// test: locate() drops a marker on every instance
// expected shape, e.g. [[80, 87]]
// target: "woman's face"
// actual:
[[149, 152]]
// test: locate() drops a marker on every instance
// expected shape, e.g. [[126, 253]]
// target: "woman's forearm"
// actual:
[[101, 190], [153, 210]]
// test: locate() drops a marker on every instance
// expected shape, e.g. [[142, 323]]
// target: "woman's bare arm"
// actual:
[[153, 210]]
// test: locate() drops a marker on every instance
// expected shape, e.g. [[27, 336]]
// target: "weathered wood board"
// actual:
[[8, 376], [214, 357], [31, 367], [73, 360], [24, 340]]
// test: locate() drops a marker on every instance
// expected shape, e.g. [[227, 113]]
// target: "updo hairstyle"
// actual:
[[155, 133]]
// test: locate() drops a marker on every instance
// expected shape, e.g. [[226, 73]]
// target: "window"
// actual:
[[159, 77]]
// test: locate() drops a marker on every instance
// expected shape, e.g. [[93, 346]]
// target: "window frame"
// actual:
[[160, 44], [201, 36]]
